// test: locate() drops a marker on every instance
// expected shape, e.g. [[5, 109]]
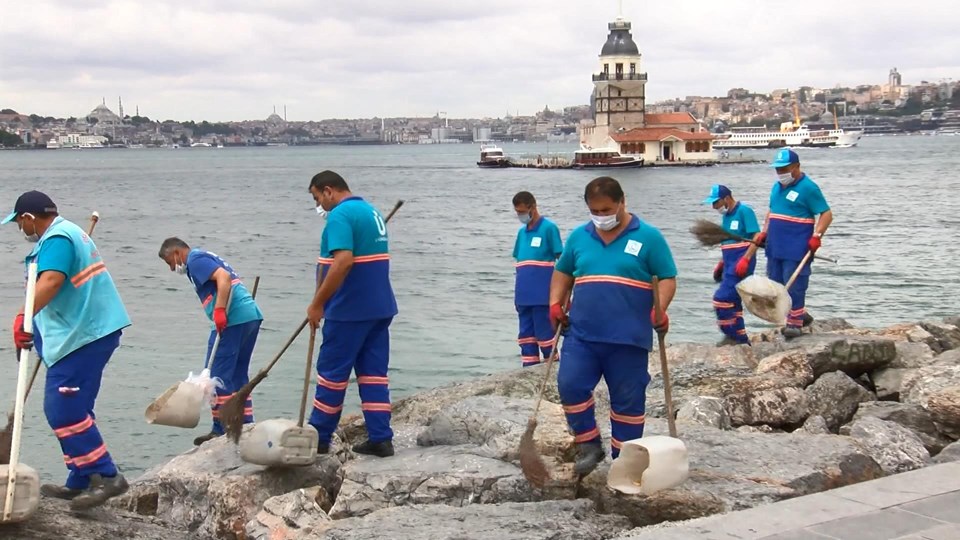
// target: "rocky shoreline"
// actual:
[[764, 423]]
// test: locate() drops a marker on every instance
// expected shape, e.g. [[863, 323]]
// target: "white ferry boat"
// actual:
[[491, 156], [790, 134]]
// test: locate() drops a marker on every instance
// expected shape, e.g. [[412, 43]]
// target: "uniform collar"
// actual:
[[534, 225], [733, 210], [632, 226]]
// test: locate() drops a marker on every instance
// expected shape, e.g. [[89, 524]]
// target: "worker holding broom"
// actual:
[[536, 250], [356, 299], [608, 264], [79, 317], [739, 220], [236, 320], [792, 229]]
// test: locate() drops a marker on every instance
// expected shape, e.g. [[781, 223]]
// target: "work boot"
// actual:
[[204, 438], [379, 449], [727, 341], [791, 332], [807, 319], [590, 454], [101, 489], [55, 491], [323, 448]]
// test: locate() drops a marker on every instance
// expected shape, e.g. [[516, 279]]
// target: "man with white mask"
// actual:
[[799, 217], [609, 264], [536, 249], [235, 316]]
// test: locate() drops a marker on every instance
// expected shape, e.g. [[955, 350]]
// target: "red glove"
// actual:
[[21, 339], [760, 239], [743, 267], [664, 322], [558, 316], [814, 243], [718, 272], [220, 319]]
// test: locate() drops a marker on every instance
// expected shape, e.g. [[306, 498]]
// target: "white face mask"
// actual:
[[605, 223], [524, 218], [785, 179], [321, 212], [32, 238], [180, 268], [722, 210]]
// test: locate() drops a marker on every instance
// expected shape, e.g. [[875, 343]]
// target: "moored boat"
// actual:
[[492, 157], [604, 158]]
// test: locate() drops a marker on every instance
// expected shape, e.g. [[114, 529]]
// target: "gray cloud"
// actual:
[[217, 60]]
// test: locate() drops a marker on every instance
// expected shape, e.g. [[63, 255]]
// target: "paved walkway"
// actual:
[[917, 505]]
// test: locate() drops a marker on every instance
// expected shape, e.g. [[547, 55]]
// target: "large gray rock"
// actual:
[[937, 389], [950, 453], [705, 411], [889, 381], [54, 520], [947, 335], [894, 447], [911, 416], [852, 354], [775, 407], [211, 491], [552, 520], [912, 355], [949, 358], [731, 470], [816, 425], [944, 407], [794, 364], [835, 397], [452, 475], [291, 516], [497, 423]]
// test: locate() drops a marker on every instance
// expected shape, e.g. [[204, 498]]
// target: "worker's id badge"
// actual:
[[734, 224], [535, 241], [792, 196], [633, 247]]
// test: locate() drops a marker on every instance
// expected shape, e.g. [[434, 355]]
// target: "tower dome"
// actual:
[[620, 41]]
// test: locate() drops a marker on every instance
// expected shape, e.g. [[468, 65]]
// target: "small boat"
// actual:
[[491, 156], [603, 158], [200, 145]]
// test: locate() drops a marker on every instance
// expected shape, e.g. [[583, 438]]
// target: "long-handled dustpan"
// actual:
[[768, 299], [649, 464]]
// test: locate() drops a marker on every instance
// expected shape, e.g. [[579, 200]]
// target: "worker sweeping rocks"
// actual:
[[799, 217], [236, 319], [356, 299], [536, 250], [79, 317], [608, 263], [739, 220]]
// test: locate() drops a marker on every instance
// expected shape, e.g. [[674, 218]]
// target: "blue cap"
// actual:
[[32, 202], [785, 157], [717, 192]]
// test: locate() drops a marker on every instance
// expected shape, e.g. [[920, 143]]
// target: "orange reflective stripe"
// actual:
[[546, 264], [75, 429], [548, 343], [579, 407], [324, 260], [626, 419], [588, 436], [615, 443], [87, 459], [723, 305], [527, 340], [372, 258], [323, 407], [207, 300], [727, 322], [372, 380], [332, 385], [738, 245], [616, 280], [375, 407], [87, 273], [782, 217]]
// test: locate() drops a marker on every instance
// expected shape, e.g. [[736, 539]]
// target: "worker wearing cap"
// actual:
[[536, 250], [236, 319], [608, 263], [798, 218], [739, 220], [79, 316], [356, 299]]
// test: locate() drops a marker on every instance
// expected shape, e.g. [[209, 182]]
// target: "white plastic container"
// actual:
[[648, 465], [179, 406], [26, 498], [279, 443]]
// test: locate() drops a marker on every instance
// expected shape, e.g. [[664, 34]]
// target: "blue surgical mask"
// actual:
[[605, 223], [524, 218]]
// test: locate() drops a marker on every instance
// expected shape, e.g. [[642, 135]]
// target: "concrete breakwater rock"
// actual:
[[763, 423]]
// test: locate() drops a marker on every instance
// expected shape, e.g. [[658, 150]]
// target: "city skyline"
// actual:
[[376, 59]]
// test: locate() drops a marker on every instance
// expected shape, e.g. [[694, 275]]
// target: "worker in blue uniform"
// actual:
[[236, 319], [356, 299], [609, 264], [78, 318], [536, 250], [799, 217], [738, 219]]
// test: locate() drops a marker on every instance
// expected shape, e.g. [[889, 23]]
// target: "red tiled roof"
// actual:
[[659, 134], [669, 118]]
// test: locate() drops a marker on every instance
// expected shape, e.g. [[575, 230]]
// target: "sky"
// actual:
[[218, 60]]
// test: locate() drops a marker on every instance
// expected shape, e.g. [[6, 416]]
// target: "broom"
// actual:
[[710, 234], [6, 436], [231, 413], [531, 463]]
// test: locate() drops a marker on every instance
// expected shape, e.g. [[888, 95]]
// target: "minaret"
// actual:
[[619, 94]]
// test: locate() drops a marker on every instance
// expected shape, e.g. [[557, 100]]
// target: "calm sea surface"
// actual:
[[896, 202]]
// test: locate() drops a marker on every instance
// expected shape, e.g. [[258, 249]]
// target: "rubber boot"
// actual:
[[590, 454], [55, 491], [204, 438], [727, 341], [379, 449], [101, 489]]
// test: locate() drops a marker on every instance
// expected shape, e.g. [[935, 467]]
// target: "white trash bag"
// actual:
[[181, 404], [765, 298]]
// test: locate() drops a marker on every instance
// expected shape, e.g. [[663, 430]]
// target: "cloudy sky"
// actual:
[[220, 60]]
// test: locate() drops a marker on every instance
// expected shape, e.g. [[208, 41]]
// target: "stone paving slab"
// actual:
[[917, 505]]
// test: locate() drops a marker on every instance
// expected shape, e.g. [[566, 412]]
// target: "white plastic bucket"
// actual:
[[279, 443], [179, 406], [648, 465]]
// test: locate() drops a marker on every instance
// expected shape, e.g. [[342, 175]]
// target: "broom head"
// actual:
[[709, 233], [232, 412], [532, 465]]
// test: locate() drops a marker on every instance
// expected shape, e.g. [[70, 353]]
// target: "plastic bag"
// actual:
[[207, 384], [765, 298]]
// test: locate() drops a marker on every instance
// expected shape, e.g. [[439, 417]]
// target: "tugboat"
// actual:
[[491, 156], [603, 158]]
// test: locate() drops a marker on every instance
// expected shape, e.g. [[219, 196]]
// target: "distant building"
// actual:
[[105, 117]]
